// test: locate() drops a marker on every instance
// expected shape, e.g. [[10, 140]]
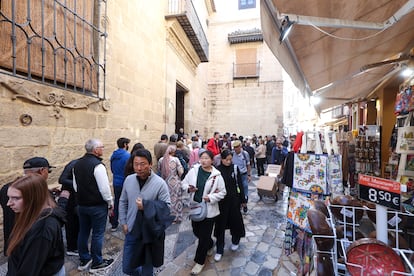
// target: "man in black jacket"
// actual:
[[72, 219], [270, 143], [90, 181]]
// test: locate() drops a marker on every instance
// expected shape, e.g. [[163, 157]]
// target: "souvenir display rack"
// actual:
[[350, 225], [367, 155]]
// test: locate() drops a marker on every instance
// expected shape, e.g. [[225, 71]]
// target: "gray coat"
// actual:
[[154, 189]]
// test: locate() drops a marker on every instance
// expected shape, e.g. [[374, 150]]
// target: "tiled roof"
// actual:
[[243, 36]]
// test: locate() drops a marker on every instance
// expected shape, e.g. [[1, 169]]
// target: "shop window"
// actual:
[[247, 4], [246, 65], [54, 42]]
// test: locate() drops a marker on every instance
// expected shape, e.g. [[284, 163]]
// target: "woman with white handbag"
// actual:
[[205, 184]]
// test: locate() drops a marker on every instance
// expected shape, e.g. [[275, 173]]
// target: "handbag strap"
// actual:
[[212, 183]]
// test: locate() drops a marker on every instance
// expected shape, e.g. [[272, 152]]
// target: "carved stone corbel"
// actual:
[[53, 97]]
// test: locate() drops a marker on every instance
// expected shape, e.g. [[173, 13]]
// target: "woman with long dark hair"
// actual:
[[204, 183], [36, 243], [230, 216]]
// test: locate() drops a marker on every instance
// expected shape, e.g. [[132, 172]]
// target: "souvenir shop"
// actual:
[[350, 208]]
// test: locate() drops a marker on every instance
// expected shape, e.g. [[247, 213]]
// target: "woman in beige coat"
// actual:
[[260, 154]]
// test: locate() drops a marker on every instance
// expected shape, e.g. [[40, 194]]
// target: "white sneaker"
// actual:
[[197, 269], [234, 247], [84, 265], [217, 257], [72, 253]]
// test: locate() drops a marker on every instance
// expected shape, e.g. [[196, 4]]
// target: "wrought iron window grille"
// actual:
[[58, 43]]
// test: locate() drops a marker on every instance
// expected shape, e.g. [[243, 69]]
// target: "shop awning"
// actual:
[[341, 51]]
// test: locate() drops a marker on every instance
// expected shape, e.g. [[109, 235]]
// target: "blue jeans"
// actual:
[[117, 194], [129, 245], [245, 185], [92, 218]]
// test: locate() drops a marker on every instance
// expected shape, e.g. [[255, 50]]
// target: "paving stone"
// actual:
[[252, 227], [265, 272], [267, 238], [280, 234], [258, 257], [170, 269], [271, 263], [236, 271], [251, 268], [238, 262], [254, 239], [275, 252], [169, 246], [263, 247], [183, 241], [209, 271], [250, 234], [224, 264], [278, 242]]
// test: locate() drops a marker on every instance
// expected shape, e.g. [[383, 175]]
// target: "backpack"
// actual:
[[246, 159], [185, 166]]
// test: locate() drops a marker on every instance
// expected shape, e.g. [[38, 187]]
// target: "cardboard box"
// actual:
[[267, 186], [273, 170]]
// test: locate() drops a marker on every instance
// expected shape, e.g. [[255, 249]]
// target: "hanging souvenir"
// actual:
[[310, 173], [335, 182], [405, 138], [403, 102], [299, 204]]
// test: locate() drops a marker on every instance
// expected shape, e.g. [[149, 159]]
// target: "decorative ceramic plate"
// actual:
[[371, 257]]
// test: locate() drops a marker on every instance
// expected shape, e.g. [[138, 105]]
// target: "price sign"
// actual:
[[380, 191]]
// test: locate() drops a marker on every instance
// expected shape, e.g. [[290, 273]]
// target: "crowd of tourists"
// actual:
[[205, 178]]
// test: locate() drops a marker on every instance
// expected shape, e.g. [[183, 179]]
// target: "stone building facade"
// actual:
[[245, 79], [156, 74]]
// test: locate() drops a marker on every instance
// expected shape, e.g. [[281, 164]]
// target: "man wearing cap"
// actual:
[[38, 165], [242, 159], [90, 181]]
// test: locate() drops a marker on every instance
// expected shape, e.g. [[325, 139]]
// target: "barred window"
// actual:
[[54, 42], [247, 4]]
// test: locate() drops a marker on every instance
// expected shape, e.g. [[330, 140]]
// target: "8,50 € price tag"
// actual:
[[380, 191]]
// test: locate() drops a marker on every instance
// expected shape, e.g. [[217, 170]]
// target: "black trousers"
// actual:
[[72, 225], [203, 230], [260, 165]]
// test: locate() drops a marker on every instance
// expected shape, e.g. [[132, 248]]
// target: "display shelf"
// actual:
[[348, 222]]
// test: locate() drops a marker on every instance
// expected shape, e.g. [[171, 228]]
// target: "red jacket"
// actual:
[[212, 146]]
